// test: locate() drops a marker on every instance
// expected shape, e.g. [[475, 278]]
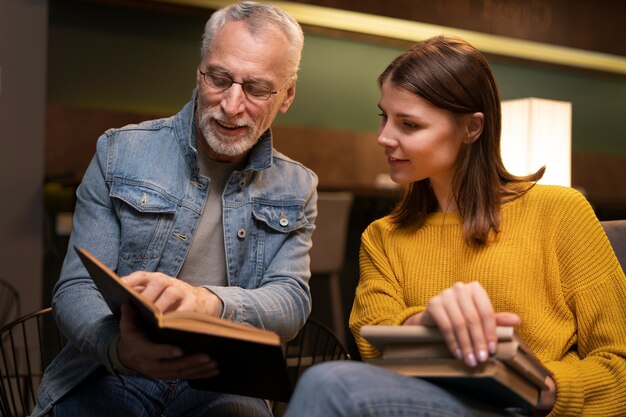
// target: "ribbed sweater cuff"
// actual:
[[569, 390]]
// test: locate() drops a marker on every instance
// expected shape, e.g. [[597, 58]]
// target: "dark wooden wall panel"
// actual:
[[598, 26], [594, 26], [71, 135], [341, 159]]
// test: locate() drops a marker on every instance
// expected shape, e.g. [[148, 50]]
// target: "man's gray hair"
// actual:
[[257, 16]]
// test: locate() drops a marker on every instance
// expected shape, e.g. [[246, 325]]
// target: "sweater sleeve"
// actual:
[[590, 376], [379, 297]]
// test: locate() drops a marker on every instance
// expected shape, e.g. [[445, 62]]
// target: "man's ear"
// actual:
[[474, 124], [289, 97]]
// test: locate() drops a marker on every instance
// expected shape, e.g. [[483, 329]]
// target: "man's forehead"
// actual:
[[245, 58]]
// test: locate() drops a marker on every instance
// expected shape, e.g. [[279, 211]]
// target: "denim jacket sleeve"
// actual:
[[79, 309], [279, 297]]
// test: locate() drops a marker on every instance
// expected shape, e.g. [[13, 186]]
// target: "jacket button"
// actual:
[[241, 233], [283, 221]]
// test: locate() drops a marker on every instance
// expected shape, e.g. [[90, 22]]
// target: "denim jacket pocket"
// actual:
[[143, 199], [281, 216], [145, 217]]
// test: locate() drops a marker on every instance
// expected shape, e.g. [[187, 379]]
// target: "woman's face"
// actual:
[[420, 140]]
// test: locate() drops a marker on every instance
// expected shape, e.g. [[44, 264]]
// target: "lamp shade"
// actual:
[[538, 132]]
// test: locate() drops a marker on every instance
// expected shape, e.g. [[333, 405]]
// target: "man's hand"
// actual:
[[169, 294], [136, 352]]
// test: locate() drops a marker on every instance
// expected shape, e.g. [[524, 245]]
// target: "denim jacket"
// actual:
[[137, 208]]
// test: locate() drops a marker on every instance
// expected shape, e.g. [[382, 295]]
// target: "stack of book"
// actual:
[[512, 377]]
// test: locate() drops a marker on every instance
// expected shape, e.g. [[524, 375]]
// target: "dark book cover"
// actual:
[[251, 360]]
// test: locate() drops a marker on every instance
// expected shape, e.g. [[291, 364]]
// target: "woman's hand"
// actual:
[[464, 315]]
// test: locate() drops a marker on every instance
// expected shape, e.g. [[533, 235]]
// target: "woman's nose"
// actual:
[[385, 138]]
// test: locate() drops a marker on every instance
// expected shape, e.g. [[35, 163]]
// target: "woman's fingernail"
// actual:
[[492, 347], [471, 360], [458, 354], [482, 355]]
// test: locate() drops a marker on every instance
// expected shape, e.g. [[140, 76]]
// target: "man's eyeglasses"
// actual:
[[252, 90]]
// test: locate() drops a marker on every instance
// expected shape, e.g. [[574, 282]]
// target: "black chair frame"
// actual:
[[28, 345]]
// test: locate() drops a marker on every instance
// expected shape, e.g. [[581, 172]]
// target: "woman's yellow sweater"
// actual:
[[551, 263]]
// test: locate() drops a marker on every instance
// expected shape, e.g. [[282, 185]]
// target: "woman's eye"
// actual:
[[410, 125]]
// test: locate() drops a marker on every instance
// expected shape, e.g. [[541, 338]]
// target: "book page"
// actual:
[[202, 323], [116, 292]]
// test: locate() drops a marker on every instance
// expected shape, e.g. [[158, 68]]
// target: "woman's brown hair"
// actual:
[[452, 75]]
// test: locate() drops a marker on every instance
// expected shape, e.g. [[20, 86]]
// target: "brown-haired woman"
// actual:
[[471, 247]]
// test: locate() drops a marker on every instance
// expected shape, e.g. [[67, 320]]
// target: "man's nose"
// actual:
[[233, 100]]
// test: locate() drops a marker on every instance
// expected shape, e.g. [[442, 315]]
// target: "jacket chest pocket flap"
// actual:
[[282, 217], [143, 199]]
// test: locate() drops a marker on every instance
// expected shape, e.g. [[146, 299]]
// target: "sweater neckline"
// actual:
[[443, 219]]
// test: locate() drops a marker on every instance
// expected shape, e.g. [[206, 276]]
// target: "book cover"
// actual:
[[490, 380], [251, 360], [509, 352], [513, 375]]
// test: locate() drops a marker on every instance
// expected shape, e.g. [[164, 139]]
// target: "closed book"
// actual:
[[491, 380], [511, 352], [381, 336], [513, 371], [251, 360]]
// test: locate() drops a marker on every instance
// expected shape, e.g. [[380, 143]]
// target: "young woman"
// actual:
[[470, 247]]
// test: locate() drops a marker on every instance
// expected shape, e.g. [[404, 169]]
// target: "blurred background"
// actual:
[[70, 69]]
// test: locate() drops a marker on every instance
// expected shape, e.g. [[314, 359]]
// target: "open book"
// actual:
[[512, 377], [251, 360]]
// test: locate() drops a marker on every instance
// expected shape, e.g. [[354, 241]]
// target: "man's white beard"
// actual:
[[222, 144]]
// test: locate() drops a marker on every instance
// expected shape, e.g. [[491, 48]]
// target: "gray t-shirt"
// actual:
[[205, 263]]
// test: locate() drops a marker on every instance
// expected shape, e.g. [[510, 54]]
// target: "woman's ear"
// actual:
[[474, 126]]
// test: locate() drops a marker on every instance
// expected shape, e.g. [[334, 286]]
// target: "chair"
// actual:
[[315, 343], [329, 246], [9, 303], [28, 345], [616, 232], [23, 357]]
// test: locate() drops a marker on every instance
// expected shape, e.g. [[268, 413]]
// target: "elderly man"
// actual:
[[199, 213]]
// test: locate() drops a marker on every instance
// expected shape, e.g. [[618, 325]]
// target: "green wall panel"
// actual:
[[136, 61]]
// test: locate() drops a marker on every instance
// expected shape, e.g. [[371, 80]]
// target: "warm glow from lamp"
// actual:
[[537, 132]]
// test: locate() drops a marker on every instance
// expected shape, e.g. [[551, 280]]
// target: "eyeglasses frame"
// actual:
[[241, 83]]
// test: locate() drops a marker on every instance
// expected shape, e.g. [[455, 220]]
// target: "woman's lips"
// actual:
[[395, 162]]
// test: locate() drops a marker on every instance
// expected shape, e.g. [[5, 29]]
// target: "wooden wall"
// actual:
[[342, 159], [597, 26]]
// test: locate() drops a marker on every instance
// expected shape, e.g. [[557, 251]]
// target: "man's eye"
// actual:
[[220, 81], [257, 90]]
